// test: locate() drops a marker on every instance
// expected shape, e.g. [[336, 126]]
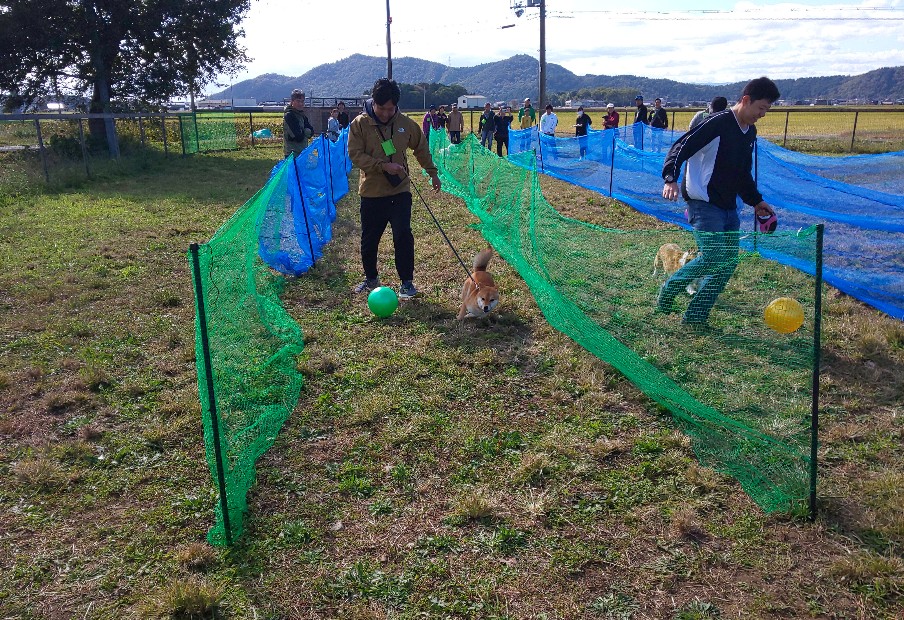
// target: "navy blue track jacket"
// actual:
[[719, 159]]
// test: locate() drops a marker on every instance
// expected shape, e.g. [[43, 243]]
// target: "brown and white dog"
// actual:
[[670, 257], [479, 294]]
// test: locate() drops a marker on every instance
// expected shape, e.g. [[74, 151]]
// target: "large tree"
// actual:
[[131, 52]]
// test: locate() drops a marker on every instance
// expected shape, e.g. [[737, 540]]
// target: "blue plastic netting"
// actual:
[[860, 199]]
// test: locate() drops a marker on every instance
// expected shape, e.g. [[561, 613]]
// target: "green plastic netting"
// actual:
[[213, 131], [741, 391], [253, 344]]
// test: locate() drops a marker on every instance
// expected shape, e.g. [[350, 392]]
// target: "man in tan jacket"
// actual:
[[377, 143], [456, 124]]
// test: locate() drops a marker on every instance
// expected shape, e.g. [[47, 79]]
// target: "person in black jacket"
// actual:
[[580, 130], [659, 121], [503, 121], [297, 129], [640, 119], [719, 156]]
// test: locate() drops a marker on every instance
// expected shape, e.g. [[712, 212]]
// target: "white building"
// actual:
[[471, 101]]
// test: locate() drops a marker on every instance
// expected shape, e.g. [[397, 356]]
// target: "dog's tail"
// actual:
[[482, 260]]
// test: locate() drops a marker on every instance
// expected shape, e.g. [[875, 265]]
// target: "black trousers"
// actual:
[[499, 143], [376, 213]]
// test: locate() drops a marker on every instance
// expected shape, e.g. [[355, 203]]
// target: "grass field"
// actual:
[[432, 469]]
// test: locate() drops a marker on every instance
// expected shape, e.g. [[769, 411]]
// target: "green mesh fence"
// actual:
[[742, 391], [246, 346], [213, 131]]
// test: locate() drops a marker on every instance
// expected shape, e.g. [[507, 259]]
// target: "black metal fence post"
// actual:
[[817, 332], [854, 131], [211, 397]]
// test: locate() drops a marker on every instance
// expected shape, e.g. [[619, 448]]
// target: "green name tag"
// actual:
[[388, 147]]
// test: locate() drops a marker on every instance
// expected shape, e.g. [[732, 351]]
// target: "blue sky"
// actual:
[[702, 42]]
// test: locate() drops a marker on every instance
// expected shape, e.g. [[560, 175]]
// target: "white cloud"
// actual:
[[651, 39]]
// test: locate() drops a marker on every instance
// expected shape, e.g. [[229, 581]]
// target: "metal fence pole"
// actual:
[[854, 131], [211, 397], [785, 138], [42, 151], [163, 128], [817, 331], [251, 127], [81, 140]]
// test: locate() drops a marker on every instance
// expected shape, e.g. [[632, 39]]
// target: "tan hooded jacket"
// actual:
[[365, 136]]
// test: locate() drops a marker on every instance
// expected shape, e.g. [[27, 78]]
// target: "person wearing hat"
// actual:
[[431, 121], [610, 121], [297, 129], [640, 119], [719, 156], [580, 130]]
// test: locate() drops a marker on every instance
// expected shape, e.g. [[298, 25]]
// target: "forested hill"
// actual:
[[516, 77]]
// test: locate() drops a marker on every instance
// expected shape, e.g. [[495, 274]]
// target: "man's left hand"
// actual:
[[437, 185]]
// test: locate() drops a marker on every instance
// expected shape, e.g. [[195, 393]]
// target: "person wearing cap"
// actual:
[[297, 129], [486, 126], [580, 130], [659, 120], [610, 120], [431, 121], [719, 156], [640, 119], [718, 104], [456, 124], [378, 140]]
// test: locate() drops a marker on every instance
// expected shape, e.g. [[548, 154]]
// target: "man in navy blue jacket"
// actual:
[[719, 156]]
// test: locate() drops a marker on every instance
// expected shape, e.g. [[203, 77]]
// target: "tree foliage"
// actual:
[[125, 52]]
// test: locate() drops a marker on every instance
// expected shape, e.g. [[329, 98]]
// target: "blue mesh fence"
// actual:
[[864, 221]]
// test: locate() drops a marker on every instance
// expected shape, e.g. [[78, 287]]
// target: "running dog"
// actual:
[[479, 294]]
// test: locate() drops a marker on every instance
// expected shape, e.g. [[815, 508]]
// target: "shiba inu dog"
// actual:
[[479, 294], [670, 257]]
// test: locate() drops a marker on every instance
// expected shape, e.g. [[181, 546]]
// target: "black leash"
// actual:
[[443, 232]]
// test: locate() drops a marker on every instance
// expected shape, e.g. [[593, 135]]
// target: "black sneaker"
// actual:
[[367, 286], [408, 290]]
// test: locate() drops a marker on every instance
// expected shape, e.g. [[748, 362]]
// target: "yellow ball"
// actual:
[[784, 315]]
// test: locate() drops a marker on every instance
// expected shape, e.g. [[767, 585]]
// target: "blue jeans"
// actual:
[[486, 139], [718, 240]]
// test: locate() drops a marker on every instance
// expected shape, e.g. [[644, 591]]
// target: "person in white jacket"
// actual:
[[549, 121]]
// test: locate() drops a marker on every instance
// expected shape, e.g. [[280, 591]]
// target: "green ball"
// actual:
[[382, 301]]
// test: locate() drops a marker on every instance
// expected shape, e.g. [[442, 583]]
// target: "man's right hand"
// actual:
[[670, 191], [391, 168]]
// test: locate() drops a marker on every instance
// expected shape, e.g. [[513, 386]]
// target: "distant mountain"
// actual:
[[516, 78]]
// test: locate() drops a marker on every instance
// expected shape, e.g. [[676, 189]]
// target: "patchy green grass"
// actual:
[[487, 469]]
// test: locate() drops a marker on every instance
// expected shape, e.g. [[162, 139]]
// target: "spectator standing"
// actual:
[[456, 124], [610, 120], [377, 143], [487, 126], [343, 115], [719, 156], [332, 125], [503, 122], [442, 116], [431, 121], [527, 116], [549, 121], [659, 122], [640, 119], [716, 105], [297, 129], [581, 124]]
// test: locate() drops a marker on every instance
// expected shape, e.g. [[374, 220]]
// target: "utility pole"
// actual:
[[542, 54], [388, 43]]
